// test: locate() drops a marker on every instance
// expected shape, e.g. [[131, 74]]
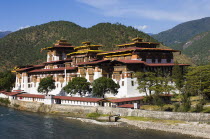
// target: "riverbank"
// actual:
[[93, 121], [194, 129], [189, 128]]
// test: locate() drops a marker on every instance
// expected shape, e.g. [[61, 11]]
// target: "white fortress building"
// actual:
[[65, 62]]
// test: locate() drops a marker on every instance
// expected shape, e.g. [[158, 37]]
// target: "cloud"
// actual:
[[140, 27], [99, 3], [27, 26], [178, 10]]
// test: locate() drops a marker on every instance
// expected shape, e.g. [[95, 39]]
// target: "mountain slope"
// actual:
[[183, 32], [198, 48], [23, 47], [4, 33]]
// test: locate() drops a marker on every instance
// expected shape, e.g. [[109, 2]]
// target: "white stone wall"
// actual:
[[79, 103], [30, 99], [97, 75], [126, 90]]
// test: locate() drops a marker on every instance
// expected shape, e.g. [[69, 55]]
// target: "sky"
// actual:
[[150, 16]]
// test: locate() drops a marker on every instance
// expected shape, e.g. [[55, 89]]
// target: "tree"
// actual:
[[103, 85], [145, 81], [46, 85], [177, 76], [77, 85], [156, 82], [198, 81], [7, 79]]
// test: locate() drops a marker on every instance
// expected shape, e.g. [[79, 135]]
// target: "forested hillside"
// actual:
[[23, 47], [183, 32], [198, 48]]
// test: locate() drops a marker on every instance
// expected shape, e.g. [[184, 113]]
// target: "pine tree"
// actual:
[[178, 76]]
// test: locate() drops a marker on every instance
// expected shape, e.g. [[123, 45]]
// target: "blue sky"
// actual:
[[151, 16]]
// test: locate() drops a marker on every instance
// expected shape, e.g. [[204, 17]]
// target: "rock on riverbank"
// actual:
[[98, 122]]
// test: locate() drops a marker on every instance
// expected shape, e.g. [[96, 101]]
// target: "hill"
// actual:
[[198, 48], [183, 32], [23, 47], [4, 33]]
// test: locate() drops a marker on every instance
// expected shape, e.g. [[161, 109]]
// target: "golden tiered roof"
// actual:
[[87, 45], [86, 48], [85, 51], [136, 41], [62, 42], [59, 44]]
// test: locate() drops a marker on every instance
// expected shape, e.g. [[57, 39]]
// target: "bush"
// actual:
[[206, 110], [176, 107], [167, 108], [4, 101], [147, 99], [185, 107], [199, 107]]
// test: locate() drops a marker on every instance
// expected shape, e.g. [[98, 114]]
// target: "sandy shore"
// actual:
[[189, 128]]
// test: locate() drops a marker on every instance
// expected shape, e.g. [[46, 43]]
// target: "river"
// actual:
[[16, 124]]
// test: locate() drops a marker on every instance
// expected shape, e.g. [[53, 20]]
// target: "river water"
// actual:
[[26, 125]]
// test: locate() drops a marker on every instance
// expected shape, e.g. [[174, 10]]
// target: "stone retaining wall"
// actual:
[[83, 110]]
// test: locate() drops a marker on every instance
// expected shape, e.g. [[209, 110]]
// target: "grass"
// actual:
[[206, 110], [149, 119], [208, 103], [93, 115]]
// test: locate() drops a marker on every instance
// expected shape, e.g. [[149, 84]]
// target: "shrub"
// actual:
[[4, 101], [199, 107], [206, 110], [176, 107], [147, 99]]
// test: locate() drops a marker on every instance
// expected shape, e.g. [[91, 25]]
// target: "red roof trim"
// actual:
[[31, 95], [93, 62], [130, 61], [126, 106], [58, 61], [18, 90], [38, 66], [84, 99], [13, 93], [64, 46], [10, 93], [56, 69], [166, 64], [125, 99], [138, 48], [30, 67]]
